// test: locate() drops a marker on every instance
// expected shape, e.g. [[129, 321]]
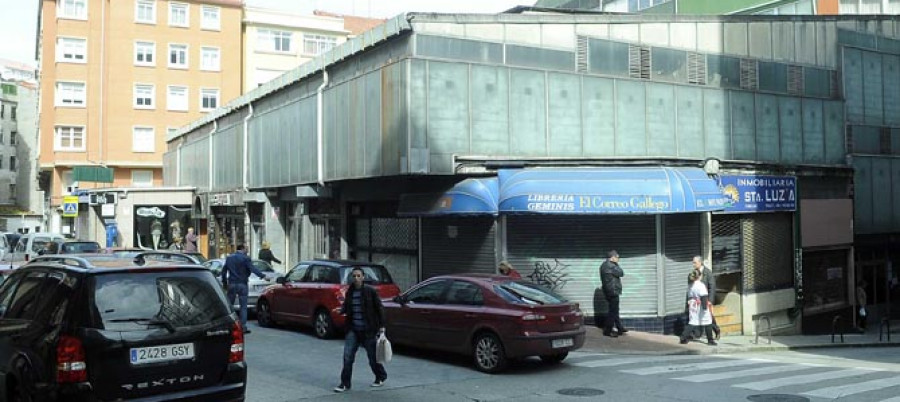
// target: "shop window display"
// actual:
[[160, 227]]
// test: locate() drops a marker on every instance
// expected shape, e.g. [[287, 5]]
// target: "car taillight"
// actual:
[[70, 365], [237, 344]]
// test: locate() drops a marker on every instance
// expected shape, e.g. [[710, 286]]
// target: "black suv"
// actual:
[[118, 332]]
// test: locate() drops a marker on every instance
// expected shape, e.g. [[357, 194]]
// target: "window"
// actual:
[[465, 293], [12, 163], [177, 98], [144, 96], [145, 11], [428, 294], [143, 140], [178, 56], [67, 179], [318, 44], [70, 94], [171, 131], [297, 274], [1, 136], [2, 111], [144, 53], [13, 137], [178, 15], [27, 298], [273, 41], [209, 58], [142, 178], [210, 18], [71, 50], [69, 138], [209, 99], [72, 9], [12, 112]]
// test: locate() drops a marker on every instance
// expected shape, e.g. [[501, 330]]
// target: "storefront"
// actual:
[[555, 226]]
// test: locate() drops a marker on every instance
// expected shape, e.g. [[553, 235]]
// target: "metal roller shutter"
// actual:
[[768, 252], [458, 245], [566, 252], [681, 244], [726, 244]]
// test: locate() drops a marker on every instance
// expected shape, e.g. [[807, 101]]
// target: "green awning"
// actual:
[[92, 173]]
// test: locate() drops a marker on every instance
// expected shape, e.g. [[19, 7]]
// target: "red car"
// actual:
[[491, 317], [312, 293]]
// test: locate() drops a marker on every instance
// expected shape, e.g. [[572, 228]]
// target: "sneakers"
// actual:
[[341, 388], [377, 383], [711, 343]]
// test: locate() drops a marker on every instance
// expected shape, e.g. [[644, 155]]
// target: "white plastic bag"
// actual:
[[862, 311], [383, 352]]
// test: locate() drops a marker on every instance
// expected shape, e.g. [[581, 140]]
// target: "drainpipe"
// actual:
[[246, 157], [210, 174], [320, 130]]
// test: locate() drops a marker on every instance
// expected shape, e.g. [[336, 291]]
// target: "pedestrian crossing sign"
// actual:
[[70, 206]]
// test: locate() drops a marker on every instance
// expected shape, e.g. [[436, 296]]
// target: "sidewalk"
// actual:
[[644, 343]]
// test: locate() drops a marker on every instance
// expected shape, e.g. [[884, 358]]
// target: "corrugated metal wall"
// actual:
[[228, 157], [567, 252], [195, 164], [681, 242], [458, 245]]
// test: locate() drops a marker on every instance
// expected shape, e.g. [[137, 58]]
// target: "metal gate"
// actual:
[[768, 252], [565, 253], [457, 245], [392, 242], [681, 242]]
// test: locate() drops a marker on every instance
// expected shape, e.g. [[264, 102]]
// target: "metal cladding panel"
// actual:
[[768, 252], [853, 84], [835, 143], [458, 245], [891, 73], [743, 127], [564, 114], [170, 168], [767, 135], [881, 194], [599, 108], [228, 158], [689, 124], [862, 191], [195, 163], [565, 253], [490, 110], [813, 132], [873, 88], [681, 241]]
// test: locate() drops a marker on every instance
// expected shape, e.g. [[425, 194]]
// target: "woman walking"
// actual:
[[266, 255], [699, 313]]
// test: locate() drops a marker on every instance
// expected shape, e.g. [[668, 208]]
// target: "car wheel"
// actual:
[[324, 326], [554, 359], [488, 354], [264, 315]]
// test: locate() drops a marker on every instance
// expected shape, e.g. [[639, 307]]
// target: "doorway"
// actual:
[[326, 236]]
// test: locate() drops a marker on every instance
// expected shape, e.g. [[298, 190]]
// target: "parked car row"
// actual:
[[490, 317]]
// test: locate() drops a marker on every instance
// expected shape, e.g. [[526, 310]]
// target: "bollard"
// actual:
[[768, 328], [834, 323], [884, 323]]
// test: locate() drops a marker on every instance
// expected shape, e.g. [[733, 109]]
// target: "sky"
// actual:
[[17, 32]]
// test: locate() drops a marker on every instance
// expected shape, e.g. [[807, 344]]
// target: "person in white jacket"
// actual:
[[699, 310]]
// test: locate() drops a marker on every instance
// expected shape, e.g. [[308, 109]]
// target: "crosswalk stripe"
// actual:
[[744, 373], [631, 360], [894, 399], [674, 368], [802, 379], [856, 388]]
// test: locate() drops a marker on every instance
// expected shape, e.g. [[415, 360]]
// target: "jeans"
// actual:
[[351, 345], [240, 290]]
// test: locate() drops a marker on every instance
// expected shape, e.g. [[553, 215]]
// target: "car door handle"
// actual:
[[470, 315]]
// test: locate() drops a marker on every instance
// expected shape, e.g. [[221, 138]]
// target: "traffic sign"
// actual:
[[70, 206]]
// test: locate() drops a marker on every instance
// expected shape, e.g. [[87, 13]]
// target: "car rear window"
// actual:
[[375, 274], [527, 293], [139, 300], [80, 247]]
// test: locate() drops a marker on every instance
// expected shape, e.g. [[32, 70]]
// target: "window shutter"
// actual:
[[581, 54], [795, 80], [749, 74], [697, 68], [639, 62]]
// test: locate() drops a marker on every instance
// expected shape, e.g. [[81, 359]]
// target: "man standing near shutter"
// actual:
[[611, 276]]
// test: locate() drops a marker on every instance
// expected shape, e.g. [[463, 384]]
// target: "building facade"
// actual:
[[117, 77], [446, 143], [22, 202]]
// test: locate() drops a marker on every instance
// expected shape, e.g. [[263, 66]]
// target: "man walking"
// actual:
[[709, 280], [238, 268], [365, 322], [611, 277]]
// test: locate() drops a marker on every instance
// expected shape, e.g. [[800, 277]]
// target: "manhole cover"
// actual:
[[581, 392], [776, 398]]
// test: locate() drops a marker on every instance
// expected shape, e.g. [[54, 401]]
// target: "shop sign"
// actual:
[[220, 199], [760, 193], [150, 212], [108, 210], [596, 203]]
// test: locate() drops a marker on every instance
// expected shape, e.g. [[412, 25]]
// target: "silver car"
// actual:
[[255, 285]]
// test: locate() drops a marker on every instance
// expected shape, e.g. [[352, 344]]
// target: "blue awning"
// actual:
[[468, 197], [612, 190]]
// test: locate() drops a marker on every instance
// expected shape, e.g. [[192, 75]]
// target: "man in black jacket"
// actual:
[[365, 322], [611, 277]]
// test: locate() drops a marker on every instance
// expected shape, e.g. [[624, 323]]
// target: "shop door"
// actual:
[[565, 253], [326, 236], [458, 245], [728, 269], [873, 279]]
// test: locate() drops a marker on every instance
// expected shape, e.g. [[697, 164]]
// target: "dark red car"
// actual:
[[312, 293], [490, 317]]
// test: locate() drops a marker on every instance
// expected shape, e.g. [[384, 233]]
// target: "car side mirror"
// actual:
[[399, 300], [281, 280]]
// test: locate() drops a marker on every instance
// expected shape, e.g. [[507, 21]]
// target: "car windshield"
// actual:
[[375, 274], [80, 247], [527, 293], [137, 300]]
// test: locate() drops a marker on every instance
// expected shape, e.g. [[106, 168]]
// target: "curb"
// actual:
[[726, 350]]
